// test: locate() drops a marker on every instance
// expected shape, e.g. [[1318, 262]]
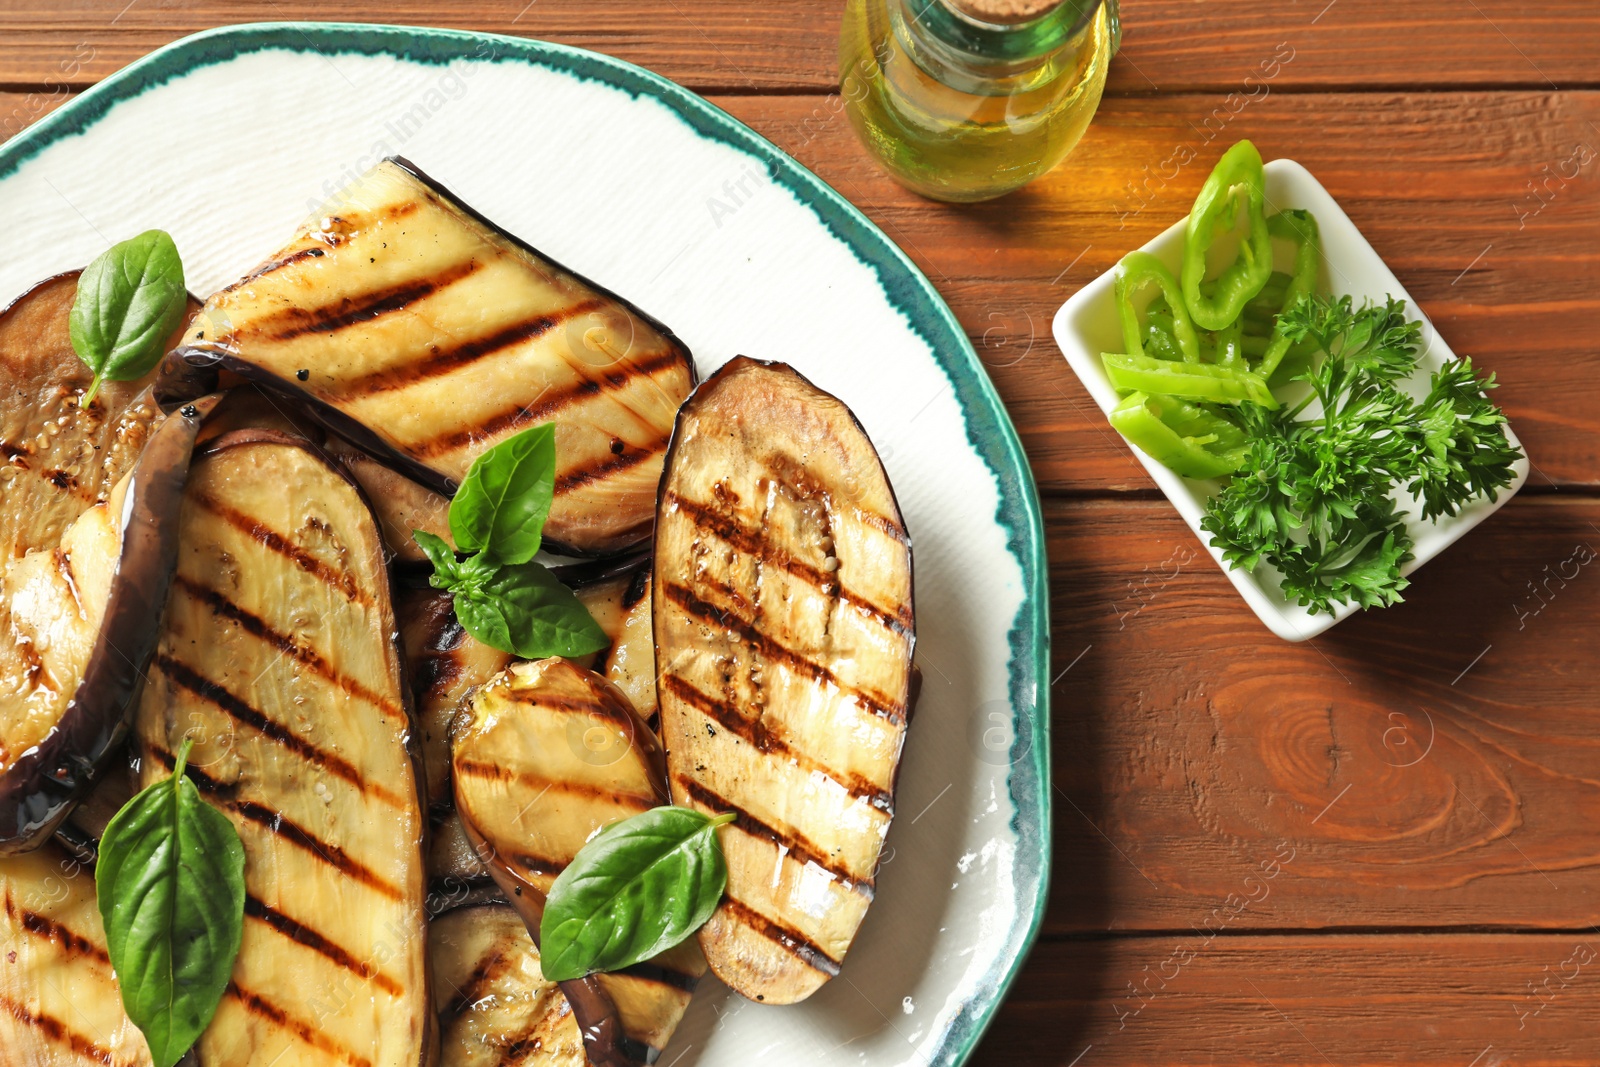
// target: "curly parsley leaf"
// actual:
[[1314, 497]]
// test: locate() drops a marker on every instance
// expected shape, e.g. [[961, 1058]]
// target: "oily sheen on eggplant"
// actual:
[[546, 755], [58, 459], [59, 1002], [423, 334], [784, 634], [278, 658], [620, 605], [443, 664], [496, 1009], [79, 632]]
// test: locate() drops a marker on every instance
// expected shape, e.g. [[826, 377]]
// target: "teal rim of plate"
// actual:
[[989, 428]]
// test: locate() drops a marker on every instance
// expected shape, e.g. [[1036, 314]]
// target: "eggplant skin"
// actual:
[[400, 504], [545, 756], [496, 1009], [40, 785], [59, 1001], [423, 334], [784, 634], [279, 658], [444, 664]]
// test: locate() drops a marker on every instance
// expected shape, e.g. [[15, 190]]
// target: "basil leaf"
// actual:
[[129, 301], [170, 885], [505, 498], [525, 610], [636, 889], [441, 555]]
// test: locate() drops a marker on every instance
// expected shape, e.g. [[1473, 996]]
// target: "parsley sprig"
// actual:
[[1315, 496]]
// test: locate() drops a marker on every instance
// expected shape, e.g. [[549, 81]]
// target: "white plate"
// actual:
[[229, 138], [1087, 325]]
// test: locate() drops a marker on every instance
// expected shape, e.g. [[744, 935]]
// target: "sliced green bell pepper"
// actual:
[[1188, 381], [1237, 175], [1189, 440], [1137, 270], [1230, 345], [1301, 228]]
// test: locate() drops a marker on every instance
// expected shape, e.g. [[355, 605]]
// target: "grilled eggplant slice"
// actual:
[[80, 832], [424, 334], [545, 756], [630, 663], [495, 1007], [784, 632], [57, 459], [59, 1002], [78, 634], [444, 663], [278, 657], [400, 504]]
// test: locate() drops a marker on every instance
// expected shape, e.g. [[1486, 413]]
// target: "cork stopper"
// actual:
[[1004, 12]]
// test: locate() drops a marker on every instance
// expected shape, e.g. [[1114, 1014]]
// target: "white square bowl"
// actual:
[[1087, 325]]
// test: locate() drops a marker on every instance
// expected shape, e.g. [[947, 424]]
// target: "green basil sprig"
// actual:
[[170, 885], [129, 301], [502, 597], [636, 889]]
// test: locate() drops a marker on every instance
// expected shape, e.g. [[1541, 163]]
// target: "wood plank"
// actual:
[[1455, 1001], [1430, 764], [1450, 188], [1173, 45]]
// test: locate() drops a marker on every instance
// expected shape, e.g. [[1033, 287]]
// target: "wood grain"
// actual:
[[1450, 188], [1431, 764], [1328, 1001], [790, 46]]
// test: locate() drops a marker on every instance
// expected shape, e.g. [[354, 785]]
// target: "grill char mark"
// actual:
[[759, 735], [788, 841], [614, 463], [276, 542], [543, 407], [58, 1032], [442, 361], [279, 825], [70, 943], [260, 1006], [257, 627], [490, 968], [753, 543], [729, 619], [495, 772], [217, 696], [786, 937], [294, 322], [274, 265], [316, 942], [650, 971]]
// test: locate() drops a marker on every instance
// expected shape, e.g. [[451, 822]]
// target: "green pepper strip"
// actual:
[[1137, 270], [1301, 228], [1191, 441], [1188, 381], [1237, 173], [1230, 345], [1161, 344]]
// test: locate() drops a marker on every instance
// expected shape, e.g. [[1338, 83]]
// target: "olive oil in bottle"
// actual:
[[967, 100]]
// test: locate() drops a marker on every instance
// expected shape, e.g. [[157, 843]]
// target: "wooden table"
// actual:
[[1383, 845]]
